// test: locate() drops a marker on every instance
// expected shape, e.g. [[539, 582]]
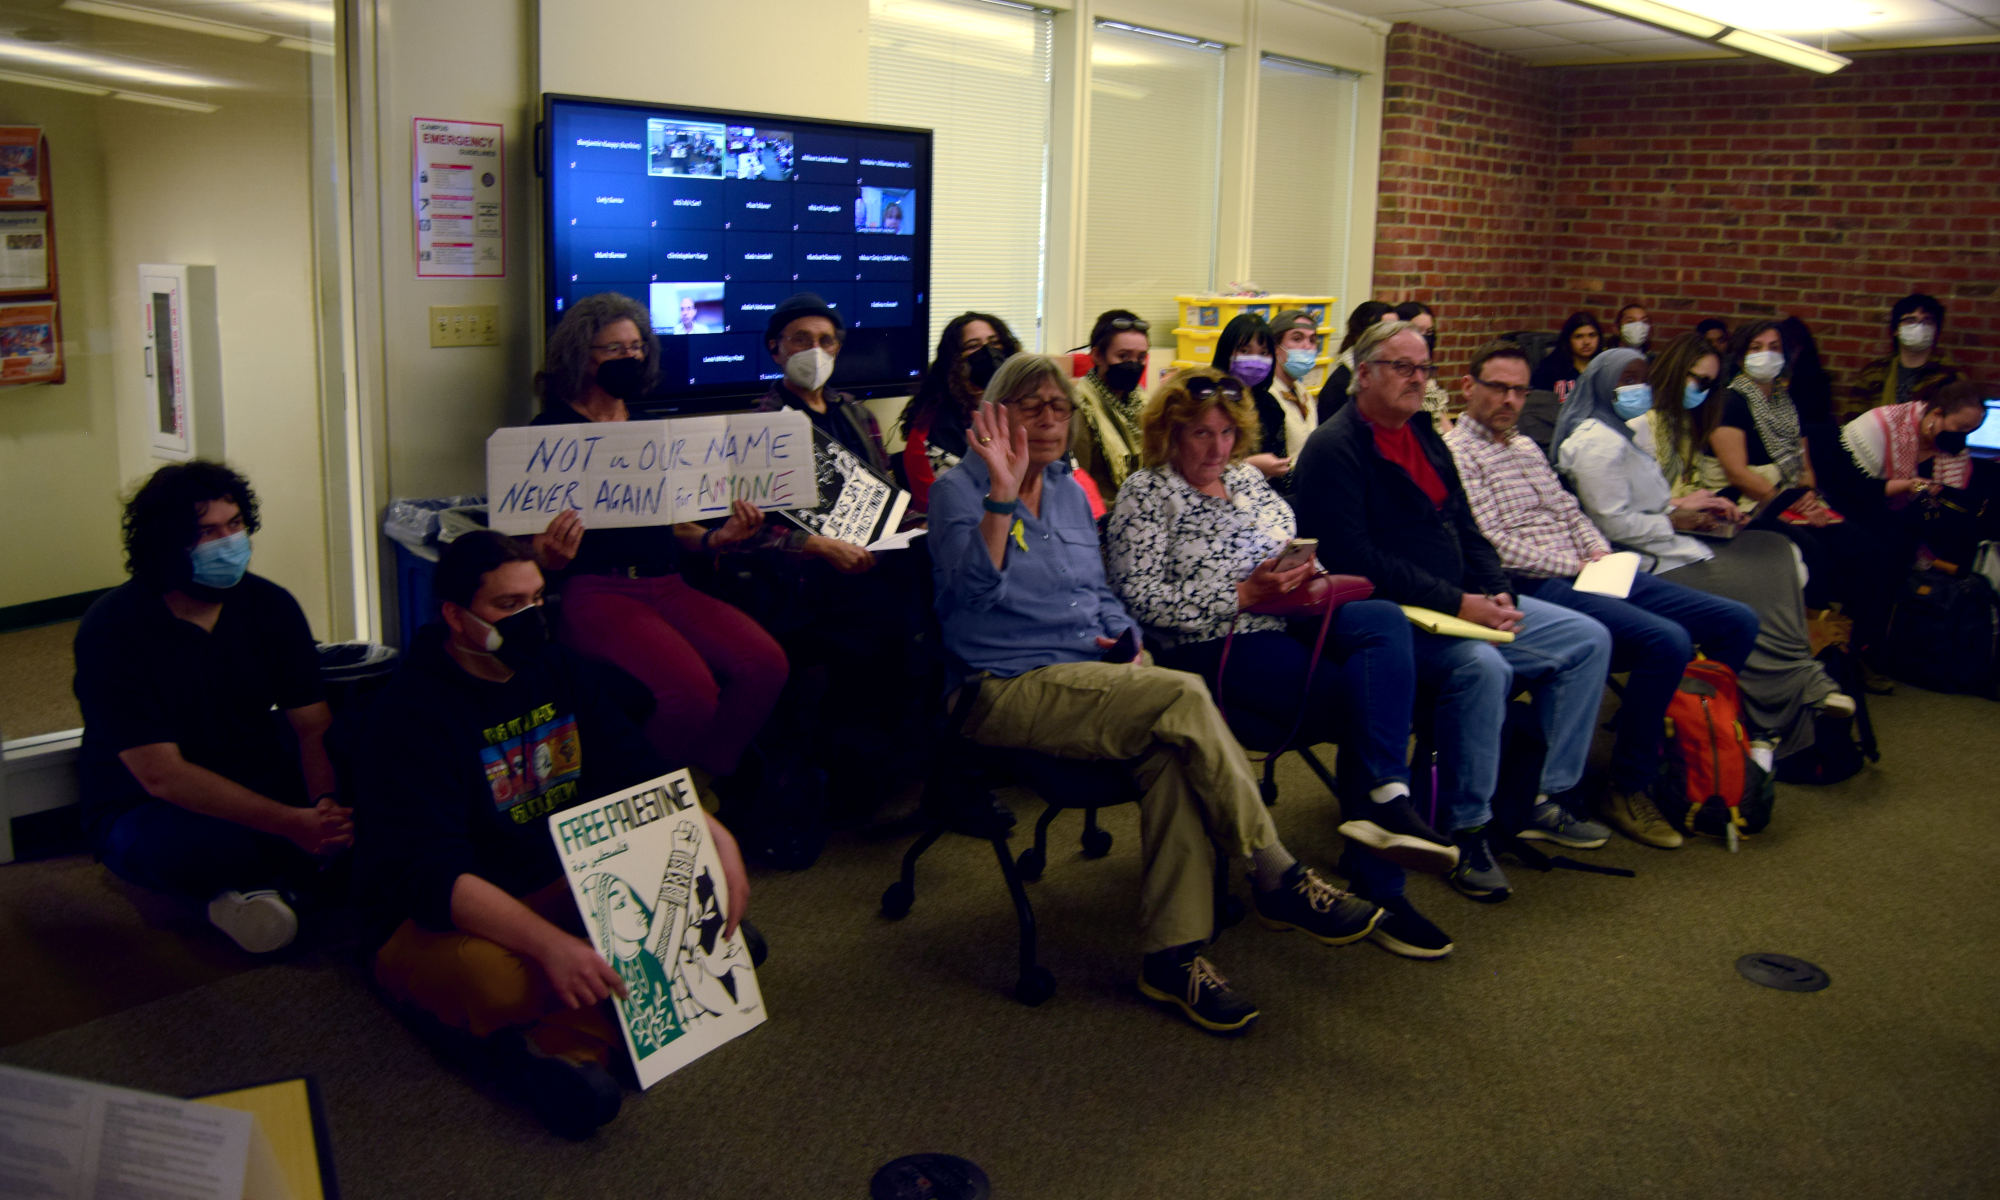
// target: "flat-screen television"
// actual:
[[711, 218]]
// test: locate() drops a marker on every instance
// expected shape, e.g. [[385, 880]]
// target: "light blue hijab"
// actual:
[[1593, 396]]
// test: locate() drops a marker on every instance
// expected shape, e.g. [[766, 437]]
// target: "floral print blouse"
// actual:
[[1175, 555]]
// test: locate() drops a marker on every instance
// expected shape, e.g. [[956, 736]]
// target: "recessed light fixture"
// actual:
[[1706, 29], [164, 102], [60, 85], [96, 64], [321, 48], [165, 20], [297, 10]]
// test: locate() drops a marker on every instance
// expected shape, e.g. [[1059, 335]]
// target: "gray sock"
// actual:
[[1268, 866]]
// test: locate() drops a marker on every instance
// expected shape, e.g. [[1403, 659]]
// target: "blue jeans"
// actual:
[[169, 849], [1653, 635], [1558, 655]]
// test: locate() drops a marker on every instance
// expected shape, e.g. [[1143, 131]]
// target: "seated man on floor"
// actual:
[[1543, 539], [191, 784], [1025, 606], [487, 728], [1380, 493]]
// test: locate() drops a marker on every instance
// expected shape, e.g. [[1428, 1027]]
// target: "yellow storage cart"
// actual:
[[1202, 319]]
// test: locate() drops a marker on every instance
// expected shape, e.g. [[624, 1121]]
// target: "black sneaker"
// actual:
[[1306, 902], [1189, 982], [1405, 931], [1476, 874], [1394, 831], [571, 1098]]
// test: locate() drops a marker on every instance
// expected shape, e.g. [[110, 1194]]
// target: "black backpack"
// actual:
[[1840, 746], [1944, 633]]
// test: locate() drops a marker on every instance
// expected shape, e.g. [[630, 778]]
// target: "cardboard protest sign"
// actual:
[[627, 473], [649, 885]]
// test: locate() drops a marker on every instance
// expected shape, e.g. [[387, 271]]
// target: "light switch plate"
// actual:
[[465, 324]]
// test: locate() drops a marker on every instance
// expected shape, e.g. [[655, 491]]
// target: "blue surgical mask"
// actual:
[[221, 563], [1299, 362], [1633, 399], [1693, 395]]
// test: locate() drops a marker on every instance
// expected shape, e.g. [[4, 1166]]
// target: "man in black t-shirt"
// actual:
[[485, 731], [191, 783]]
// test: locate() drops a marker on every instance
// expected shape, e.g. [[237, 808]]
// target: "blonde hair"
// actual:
[[1171, 409]]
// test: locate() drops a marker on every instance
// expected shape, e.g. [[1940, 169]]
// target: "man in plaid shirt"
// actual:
[[1543, 540]]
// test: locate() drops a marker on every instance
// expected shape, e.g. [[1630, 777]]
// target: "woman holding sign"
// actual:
[[714, 673]]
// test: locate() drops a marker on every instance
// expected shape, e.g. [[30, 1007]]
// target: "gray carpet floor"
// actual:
[[1589, 1038]]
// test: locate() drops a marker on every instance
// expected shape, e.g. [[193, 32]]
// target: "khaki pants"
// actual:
[[1197, 785], [482, 987]]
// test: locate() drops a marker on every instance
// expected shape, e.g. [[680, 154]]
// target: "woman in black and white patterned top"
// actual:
[[1193, 545]]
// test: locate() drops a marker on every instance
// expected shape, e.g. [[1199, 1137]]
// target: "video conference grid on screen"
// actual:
[[711, 224]]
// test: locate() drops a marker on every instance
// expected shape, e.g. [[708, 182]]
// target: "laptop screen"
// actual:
[[1987, 436]]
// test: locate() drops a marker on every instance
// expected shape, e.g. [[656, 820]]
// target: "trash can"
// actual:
[[354, 670]]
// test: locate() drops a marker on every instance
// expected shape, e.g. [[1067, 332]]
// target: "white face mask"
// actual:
[[1916, 336], [1635, 333], [1763, 365], [809, 369]]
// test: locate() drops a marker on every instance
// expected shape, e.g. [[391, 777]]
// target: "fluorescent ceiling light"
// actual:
[[60, 85], [1764, 45], [98, 65], [151, 16], [324, 48], [318, 14], [164, 101]]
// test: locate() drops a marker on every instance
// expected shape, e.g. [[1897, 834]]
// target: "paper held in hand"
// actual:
[[1451, 625], [627, 473], [649, 884], [1611, 575]]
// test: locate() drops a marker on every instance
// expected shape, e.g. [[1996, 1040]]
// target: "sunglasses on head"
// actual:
[[1203, 387], [1121, 324]]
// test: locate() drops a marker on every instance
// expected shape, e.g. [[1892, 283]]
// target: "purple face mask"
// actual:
[[1252, 369]]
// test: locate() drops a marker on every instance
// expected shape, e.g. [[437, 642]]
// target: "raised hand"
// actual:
[[1003, 445]]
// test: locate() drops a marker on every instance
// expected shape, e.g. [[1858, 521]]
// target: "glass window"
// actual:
[[1305, 165]]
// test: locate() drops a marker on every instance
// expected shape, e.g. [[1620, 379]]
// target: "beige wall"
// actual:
[[59, 468]]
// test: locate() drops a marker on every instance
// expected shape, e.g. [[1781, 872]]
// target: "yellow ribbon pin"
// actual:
[[1020, 534]]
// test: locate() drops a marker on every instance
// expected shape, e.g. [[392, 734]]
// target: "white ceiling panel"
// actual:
[[1517, 39], [1529, 13], [1450, 20]]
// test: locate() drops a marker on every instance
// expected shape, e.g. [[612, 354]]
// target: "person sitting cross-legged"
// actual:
[[486, 730], [1380, 493], [1024, 604], [1544, 539]]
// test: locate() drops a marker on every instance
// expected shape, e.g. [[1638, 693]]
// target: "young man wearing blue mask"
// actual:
[[1544, 540], [191, 783]]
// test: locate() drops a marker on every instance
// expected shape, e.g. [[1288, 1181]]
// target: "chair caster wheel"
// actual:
[[1230, 911], [897, 899], [1096, 843], [1030, 864], [1268, 789], [1035, 986]]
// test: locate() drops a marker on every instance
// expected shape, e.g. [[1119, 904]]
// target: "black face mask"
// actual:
[[1123, 377], [523, 636], [624, 378], [983, 363], [1949, 441]]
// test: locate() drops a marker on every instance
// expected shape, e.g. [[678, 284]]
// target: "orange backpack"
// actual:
[[1708, 781]]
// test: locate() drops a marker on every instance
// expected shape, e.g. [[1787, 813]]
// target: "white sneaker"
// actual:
[[258, 921], [1838, 704]]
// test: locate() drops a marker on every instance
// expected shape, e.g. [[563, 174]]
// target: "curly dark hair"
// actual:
[[560, 381], [163, 518], [946, 386]]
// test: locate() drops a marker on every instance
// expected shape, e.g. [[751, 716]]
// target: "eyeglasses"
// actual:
[[795, 342], [1027, 409], [1122, 324], [624, 349], [1200, 389], [1404, 368], [1505, 389]]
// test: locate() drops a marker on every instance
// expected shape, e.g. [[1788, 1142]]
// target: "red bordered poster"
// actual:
[[457, 189]]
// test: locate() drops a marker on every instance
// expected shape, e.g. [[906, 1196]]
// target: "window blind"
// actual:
[[976, 72], [1304, 168]]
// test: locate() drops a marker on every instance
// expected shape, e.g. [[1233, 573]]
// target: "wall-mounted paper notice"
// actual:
[[647, 472]]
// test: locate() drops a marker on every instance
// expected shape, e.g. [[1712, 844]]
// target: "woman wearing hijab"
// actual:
[[1621, 488], [1245, 351]]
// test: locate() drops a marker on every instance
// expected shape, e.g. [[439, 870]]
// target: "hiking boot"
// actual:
[[570, 1098], [1304, 901], [1191, 983], [1476, 874], [1394, 831], [1636, 817], [1405, 931], [1551, 822], [259, 921]]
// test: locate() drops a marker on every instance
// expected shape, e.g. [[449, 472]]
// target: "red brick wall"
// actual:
[[1732, 189], [1748, 189], [1468, 172]]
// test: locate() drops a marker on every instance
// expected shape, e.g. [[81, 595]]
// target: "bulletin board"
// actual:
[[30, 288]]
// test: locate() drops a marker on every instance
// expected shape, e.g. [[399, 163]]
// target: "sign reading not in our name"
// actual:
[[631, 473]]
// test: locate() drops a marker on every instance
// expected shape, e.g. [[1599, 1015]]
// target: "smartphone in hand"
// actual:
[[1126, 648], [1299, 553]]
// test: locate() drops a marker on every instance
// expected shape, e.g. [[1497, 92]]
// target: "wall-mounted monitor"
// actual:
[[711, 218]]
